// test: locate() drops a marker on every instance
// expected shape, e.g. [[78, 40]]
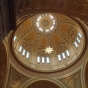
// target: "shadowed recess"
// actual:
[[43, 84], [3, 64]]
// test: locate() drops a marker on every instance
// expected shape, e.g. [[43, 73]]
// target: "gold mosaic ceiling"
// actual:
[[60, 38]]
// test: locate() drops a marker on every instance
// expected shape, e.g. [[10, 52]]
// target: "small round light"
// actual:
[[39, 18], [53, 22], [52, 28], [37, 24], [40, 29], [46, 30]]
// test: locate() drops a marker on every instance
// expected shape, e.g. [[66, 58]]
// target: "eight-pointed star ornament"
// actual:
[[48, 50]]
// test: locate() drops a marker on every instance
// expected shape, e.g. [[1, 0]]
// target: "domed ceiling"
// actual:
[[48, 42]]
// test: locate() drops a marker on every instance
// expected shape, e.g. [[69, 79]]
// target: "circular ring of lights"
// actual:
[[45, 23]]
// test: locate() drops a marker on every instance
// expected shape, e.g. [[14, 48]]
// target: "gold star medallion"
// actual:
[[48, 50]]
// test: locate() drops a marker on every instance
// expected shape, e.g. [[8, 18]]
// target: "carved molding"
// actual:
[[86, 75]]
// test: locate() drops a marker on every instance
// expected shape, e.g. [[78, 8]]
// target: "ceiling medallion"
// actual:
[[48, 50], [45, 23]]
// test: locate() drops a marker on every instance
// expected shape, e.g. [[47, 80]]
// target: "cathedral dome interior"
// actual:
[[48, 42], [43, 43]]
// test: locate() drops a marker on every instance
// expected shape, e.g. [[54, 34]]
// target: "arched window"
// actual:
[[38, 59], [59, 57], [20, 49], [47, 60], [27, 55], [24, 52]]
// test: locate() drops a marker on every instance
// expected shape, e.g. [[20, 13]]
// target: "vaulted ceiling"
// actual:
[[14, 74]]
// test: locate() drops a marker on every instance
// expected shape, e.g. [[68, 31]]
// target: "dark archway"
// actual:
[[43, 84]]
